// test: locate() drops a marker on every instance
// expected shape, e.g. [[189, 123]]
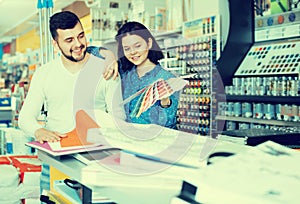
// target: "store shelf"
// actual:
[[169, 59], [196, 95], [167, 34], [157, 35], [18, 64], [265, 99], [173, 68], [259, 121], [188, 76]]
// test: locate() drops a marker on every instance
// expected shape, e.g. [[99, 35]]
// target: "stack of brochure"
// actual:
[[267, 173]]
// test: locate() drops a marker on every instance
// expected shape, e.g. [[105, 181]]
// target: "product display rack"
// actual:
[[264, 90], [193, 59]]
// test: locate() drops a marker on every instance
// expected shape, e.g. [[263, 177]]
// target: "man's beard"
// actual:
[[70, 57]]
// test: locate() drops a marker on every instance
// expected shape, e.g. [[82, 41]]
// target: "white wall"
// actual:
[[206, 8]]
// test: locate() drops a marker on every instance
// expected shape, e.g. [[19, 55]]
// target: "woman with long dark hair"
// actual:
[[139, 55]]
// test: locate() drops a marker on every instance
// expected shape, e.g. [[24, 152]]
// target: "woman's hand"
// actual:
[[42, 135], [165, 102], [111, 65]]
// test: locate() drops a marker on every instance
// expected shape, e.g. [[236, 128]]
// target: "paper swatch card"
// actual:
[[156, 91]]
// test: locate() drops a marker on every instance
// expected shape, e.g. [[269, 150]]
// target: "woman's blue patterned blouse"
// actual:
[[131, 83]]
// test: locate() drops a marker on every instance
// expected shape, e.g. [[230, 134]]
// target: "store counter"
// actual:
[[114, 186], [126, 178], [150, 167]]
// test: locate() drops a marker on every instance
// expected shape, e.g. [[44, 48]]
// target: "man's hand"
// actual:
[[42, 135], [111, 65]]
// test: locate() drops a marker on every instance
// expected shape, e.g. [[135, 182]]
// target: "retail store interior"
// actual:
[[237, 134]]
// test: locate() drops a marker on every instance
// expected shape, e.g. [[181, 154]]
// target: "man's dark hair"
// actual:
[[62, 20]]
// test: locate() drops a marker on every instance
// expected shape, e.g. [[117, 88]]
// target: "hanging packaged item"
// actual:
[[160, 19]]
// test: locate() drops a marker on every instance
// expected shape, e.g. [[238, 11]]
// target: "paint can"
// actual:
[[269, 111], [247, 110], [258, 110], [237, 109]]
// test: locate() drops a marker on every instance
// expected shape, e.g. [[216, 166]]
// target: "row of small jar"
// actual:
[[195, 129], [283, 112], [260, 86], [198, 44]]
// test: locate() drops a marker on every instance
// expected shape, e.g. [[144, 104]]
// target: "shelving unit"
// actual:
[[192, 57], [264, 99], [258, 121], [276, 88], [266, 80]]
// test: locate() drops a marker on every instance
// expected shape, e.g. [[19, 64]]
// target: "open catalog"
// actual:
[[138, 144], [76, 140]]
